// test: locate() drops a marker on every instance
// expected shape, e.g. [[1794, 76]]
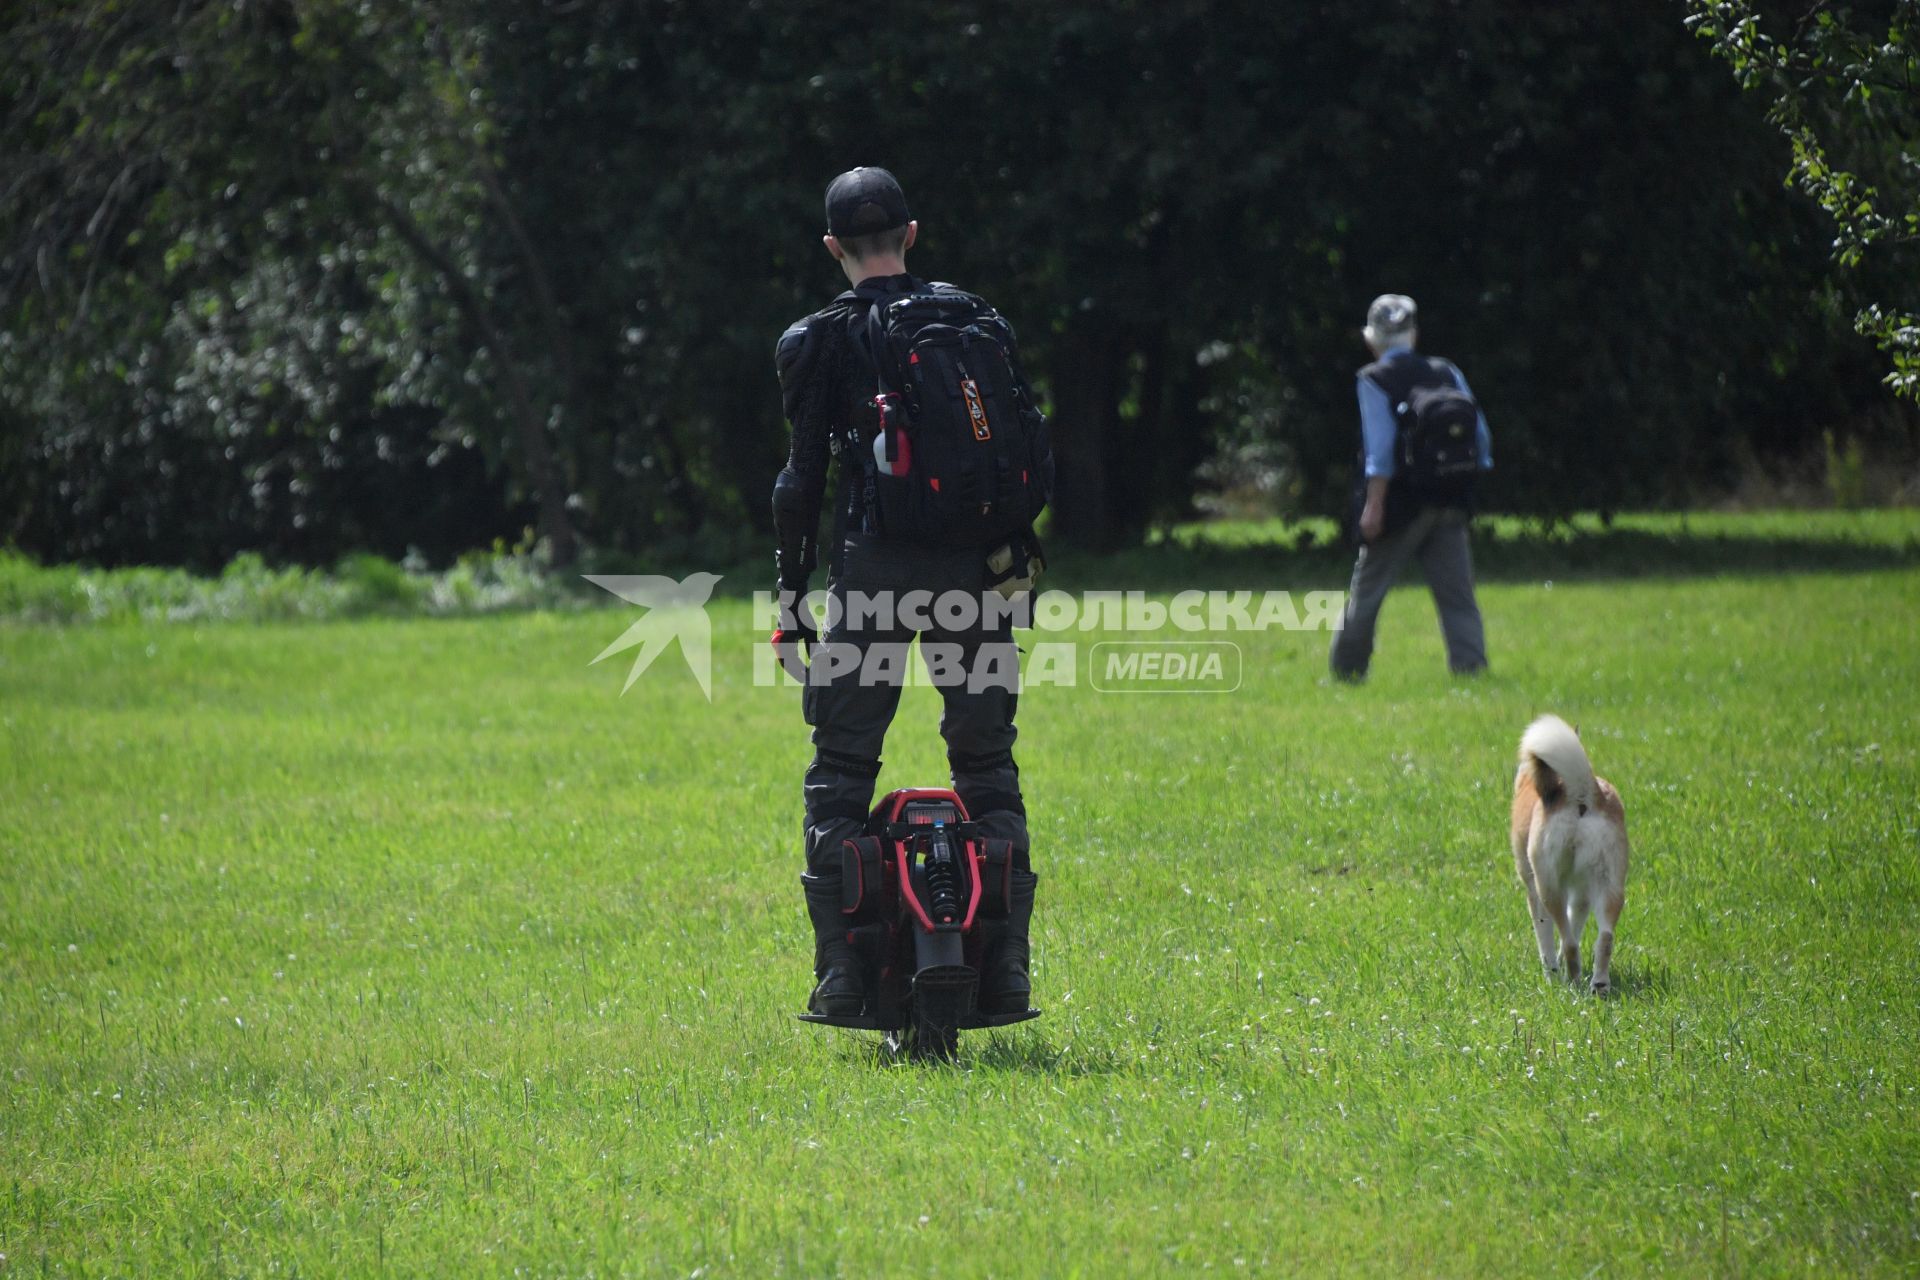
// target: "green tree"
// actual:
[[179, 164], [1843, 84], [309, 275]]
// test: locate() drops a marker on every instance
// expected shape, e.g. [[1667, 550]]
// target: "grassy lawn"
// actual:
[[409, 945]]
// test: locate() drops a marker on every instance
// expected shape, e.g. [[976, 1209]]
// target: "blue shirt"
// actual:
[[1378, 424]]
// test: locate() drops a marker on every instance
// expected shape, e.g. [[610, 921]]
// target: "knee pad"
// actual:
[[981, 762], [839, 787], [826, 761], [988, 785]]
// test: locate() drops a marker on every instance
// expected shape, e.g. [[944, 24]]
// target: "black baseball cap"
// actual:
[[865, 200]]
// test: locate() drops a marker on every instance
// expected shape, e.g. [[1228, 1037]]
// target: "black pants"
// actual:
[[854, 688]]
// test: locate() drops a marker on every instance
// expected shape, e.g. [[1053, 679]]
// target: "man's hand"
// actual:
[[1373, 516], [794, 634]]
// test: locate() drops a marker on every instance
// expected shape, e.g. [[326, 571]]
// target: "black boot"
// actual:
[[840, 991], [1004, 987]]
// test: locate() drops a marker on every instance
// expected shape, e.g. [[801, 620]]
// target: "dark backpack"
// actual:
[[957, 462], [1437, 448]]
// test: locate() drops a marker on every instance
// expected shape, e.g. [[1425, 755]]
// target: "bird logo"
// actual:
[[674, 610]]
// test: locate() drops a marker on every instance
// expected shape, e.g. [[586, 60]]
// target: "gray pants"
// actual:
[[1438, 536]]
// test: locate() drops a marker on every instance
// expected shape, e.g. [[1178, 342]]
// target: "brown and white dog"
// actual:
[[1569, 845]]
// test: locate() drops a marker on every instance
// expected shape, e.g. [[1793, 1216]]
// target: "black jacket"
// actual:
[[827, 385]]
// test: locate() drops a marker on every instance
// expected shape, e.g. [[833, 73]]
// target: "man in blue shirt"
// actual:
[[1397, 524]]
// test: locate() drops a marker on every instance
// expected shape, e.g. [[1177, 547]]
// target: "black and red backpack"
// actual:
[[959, 454]]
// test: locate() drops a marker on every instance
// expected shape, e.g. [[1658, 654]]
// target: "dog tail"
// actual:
[[1551, 751]]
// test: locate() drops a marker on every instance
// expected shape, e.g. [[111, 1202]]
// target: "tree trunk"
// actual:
[[1182, 429], [543, 470], [1086, 393]]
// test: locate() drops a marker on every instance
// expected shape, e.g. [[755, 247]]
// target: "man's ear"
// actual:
[[913, 233], [833, 247]]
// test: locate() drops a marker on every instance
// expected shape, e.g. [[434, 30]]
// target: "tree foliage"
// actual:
[[308, 276], [1843, 84]]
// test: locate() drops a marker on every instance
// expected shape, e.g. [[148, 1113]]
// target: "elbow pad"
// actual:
[[796, 525]]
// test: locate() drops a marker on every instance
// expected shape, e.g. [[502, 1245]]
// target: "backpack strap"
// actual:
[[846, 442], [882, 354], [1398, 378], [876, 332]]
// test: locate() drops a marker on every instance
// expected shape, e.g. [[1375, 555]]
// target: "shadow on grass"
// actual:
[[1012, 1051], [1625, 982], [1635, 980], [1501, 554], [993, 1051], [1650, 553], [1258, 555]]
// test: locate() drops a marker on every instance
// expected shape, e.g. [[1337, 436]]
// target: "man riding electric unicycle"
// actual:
[[920, 904]]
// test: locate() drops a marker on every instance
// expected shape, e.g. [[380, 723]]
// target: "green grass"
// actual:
[[249, 590], [408, 945]]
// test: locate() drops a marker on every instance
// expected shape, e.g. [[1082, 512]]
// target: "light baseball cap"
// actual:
[[1390, 319]]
